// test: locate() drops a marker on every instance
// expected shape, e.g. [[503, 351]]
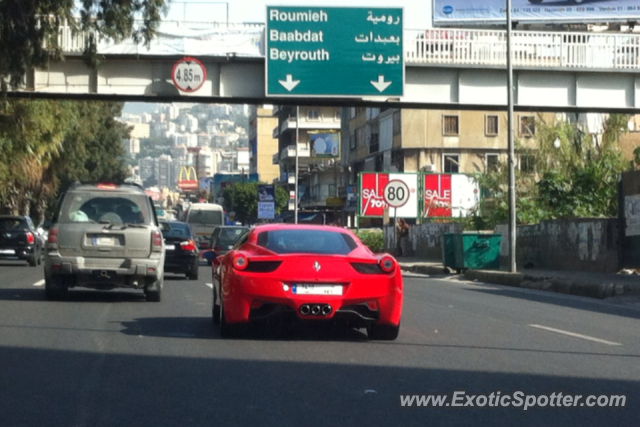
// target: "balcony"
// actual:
[[290, 152], [319, 124]]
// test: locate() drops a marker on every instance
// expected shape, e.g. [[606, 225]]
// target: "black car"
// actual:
[[224, 237], [181, 252], [19, 239]]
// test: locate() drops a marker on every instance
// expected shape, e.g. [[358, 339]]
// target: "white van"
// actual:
[[203, 218]]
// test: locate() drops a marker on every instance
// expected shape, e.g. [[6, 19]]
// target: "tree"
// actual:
[[45, 145], [29, 29], [568, 174], [242, 198]]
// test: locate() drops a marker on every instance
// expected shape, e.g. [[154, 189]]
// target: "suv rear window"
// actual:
[[106, 207], [307, 241]]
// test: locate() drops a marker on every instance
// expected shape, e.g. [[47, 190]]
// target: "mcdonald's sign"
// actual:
[[188, 178]]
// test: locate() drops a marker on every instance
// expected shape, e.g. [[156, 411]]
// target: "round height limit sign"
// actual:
[[188, 74]]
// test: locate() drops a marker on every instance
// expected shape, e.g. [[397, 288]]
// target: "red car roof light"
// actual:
[[387, 264], [240, 262], [107, 186]]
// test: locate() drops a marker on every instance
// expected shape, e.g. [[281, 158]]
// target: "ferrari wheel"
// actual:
[[227, 330], [383, 332]]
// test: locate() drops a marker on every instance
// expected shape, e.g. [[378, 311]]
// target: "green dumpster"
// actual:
[[473, 251]]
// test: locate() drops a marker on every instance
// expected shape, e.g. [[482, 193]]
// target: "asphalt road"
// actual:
[[113, 359]]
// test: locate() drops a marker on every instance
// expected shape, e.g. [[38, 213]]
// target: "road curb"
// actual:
[[567, 286]]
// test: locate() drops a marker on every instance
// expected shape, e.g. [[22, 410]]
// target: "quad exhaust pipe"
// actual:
[[315, 309]]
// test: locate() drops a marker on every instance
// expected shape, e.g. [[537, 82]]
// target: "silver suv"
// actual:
[[104, 236]]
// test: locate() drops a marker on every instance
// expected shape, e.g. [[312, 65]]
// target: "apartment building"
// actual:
[[317, 132], [262, 143]]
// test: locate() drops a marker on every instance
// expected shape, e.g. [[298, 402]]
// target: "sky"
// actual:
[[417, 13]]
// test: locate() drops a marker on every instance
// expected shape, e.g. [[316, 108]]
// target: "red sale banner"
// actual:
[[372, 193], [437, 195]]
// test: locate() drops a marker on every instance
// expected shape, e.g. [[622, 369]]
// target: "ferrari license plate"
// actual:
[[317, 289]]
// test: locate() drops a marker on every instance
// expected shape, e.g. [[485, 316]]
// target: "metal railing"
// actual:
[[529, 48], [464, 47]]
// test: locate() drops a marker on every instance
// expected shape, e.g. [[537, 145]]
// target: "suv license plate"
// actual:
[[104, 241]]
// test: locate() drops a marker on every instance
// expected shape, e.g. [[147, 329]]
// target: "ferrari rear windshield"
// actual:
[[301, 241]]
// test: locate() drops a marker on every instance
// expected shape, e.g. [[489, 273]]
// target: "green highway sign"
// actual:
[[334, 51]]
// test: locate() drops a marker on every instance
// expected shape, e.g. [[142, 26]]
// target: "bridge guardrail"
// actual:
[[452, 47]]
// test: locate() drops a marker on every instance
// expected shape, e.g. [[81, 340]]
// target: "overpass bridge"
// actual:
[[444, 69]]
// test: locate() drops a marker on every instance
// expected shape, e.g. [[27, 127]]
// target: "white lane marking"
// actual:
[[573, 334], [209, 285], [39, 283]]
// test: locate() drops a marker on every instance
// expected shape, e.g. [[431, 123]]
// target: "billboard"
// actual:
[[483, 12], [381, 190], [266, 201], [325, 145], [449, 195]]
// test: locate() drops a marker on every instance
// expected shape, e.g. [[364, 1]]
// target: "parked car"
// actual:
[[224, 237], [181, 252], [104, 236], [19, 239], [309, 273]]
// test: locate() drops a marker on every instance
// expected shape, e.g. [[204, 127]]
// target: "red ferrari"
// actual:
[[309, 273]]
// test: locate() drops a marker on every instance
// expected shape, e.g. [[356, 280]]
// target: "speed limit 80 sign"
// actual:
[[396, 193], [188, 74]]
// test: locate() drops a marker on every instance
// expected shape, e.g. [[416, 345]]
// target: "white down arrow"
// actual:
[[381, 85], [289, 83]]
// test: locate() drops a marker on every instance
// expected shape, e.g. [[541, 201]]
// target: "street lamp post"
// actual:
[[510, 160]]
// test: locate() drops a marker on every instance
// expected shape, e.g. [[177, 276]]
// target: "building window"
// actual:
[[491, 161], [450, 125], [313, 115], [397, 128], [352, 140], [360, 137], [527, 126], [374, 143], [527, 163], [451, 163], [491, 125]]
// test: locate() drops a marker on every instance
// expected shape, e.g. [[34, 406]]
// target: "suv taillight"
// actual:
[[156, 241], [53, 235], [30, 238]]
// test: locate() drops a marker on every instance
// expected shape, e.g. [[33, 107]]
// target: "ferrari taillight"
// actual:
[[387, 264], [189, 246], [53, 235], [240, 262], [30, 238]]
